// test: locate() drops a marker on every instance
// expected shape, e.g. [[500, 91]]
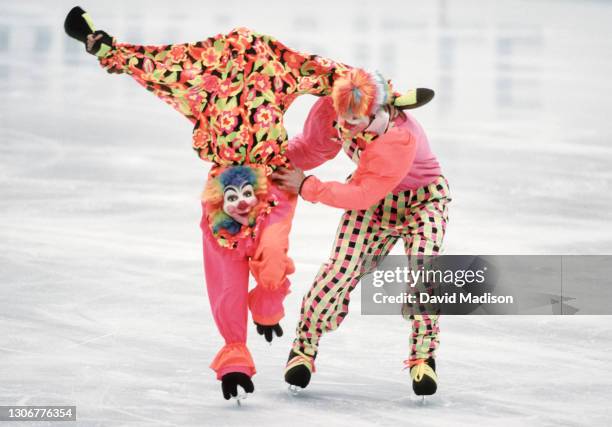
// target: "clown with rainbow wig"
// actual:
[[396, 192]]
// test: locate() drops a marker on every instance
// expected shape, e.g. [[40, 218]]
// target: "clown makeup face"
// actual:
[[238, 202], [354, 124], [376, 123]]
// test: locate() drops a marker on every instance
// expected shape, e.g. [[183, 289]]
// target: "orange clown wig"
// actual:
[[360, 94]]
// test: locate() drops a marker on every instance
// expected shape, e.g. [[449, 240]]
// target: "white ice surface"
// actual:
[[102, 299]]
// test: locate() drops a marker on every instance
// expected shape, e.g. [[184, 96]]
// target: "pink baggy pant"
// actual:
[[227, 282]]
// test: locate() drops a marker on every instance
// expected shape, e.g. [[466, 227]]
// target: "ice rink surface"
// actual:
[[102, 298]]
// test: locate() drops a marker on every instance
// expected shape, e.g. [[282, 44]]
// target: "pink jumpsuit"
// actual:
[[227, 282]]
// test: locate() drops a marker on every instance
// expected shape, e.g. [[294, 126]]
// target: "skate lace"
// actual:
[[301, 359], [421, 368]]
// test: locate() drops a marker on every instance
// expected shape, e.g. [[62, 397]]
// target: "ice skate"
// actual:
[[240, 398], [230, 383], [423, 374], [79, 26], [298, 371]]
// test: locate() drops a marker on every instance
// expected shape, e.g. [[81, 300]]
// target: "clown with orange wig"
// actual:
[[234, 89], [396, 192]]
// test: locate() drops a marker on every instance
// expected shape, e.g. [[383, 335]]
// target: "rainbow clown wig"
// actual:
[[221, 223], [361, 94]]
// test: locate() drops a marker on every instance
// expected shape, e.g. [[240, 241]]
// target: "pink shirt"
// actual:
[[425, 167], [399, 160]]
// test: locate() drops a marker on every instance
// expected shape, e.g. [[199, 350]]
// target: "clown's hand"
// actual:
[[267, 331], [289, 180]]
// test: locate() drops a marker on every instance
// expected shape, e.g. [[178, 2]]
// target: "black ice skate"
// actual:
[[298, 371], [230, 383], [423, 374], [79, 26]]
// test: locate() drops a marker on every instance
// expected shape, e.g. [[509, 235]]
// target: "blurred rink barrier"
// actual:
[[519, 121]]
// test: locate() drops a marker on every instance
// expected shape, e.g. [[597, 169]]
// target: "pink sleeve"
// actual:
[[270, 263], [266, 305], [319, 141], [382, 166]]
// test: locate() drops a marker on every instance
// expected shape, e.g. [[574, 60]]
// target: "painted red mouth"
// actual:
[[243, 212]]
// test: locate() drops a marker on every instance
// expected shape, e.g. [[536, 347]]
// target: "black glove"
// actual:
[[266, 331], [231, 381]]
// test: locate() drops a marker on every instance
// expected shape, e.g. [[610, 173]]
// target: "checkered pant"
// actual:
[[419, 218]]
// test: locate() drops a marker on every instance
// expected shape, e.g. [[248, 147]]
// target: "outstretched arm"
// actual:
[[176, 73], [382, 166]]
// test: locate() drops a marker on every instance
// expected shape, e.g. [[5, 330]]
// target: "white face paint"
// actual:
[[380, 123], [238, 202]]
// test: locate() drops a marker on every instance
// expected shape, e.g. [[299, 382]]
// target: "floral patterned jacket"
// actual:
[[234, 88]]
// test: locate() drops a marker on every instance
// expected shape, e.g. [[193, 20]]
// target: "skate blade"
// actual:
[[422, 401], [240, 398], [294, 390]]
